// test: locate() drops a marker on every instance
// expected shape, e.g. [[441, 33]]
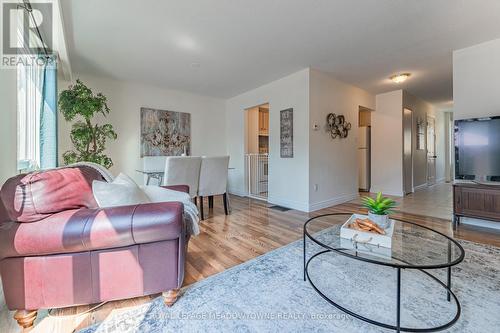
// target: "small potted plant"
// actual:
[[379, 208]]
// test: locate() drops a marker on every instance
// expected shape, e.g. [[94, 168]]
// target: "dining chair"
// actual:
[[183, 170], [213, 180]]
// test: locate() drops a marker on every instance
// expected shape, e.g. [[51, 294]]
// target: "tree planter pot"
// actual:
[[381, 220]]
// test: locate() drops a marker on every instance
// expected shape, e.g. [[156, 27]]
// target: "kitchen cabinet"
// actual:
[[263, 121]]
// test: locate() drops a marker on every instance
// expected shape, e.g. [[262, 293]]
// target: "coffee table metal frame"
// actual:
[[398, 267]]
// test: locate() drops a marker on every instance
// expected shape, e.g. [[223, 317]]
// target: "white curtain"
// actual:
[[36, 103], [29, 100]]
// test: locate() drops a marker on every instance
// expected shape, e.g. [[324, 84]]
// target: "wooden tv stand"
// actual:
[[475, 200]]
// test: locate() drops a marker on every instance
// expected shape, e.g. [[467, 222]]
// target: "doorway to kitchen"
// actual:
[[431, 150], [364, 149], [257, 151], [407, 151]]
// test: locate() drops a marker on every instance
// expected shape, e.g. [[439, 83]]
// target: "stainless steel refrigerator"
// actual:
[[364, 158]]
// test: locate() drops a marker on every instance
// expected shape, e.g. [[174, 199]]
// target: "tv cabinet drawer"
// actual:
[[477, 201]]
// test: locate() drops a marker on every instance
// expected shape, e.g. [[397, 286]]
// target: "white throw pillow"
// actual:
[[122, 191]]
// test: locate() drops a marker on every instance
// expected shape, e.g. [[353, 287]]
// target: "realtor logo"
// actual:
[[26, 30]]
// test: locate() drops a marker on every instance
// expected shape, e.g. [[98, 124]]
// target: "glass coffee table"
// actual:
[[414, 247]]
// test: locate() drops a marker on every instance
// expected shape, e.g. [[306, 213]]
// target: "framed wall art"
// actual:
[[165, 133], [286, 133]]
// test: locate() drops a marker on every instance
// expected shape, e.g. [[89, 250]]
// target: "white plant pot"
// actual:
[[381, 220]]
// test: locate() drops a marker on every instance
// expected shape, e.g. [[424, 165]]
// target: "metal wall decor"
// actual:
[[337, 126]]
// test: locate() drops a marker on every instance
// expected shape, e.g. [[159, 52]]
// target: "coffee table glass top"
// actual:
[[413, 245]]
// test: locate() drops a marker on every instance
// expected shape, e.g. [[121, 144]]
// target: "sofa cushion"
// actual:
[[35, 196]]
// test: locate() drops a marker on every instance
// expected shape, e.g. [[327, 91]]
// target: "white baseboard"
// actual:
[[426, 185], [302, 206], [376, 189], [420, 187], [332, 202], [238, 192]]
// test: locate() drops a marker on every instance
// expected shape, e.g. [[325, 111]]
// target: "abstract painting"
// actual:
[[165, 133], [286, 133]]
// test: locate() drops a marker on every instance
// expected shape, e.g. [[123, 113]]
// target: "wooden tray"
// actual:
[[366, 237]]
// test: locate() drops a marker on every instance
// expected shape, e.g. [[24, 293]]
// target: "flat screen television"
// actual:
[[477, 149]]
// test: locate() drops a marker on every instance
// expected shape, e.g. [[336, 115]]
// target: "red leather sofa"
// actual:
[[58, 249]]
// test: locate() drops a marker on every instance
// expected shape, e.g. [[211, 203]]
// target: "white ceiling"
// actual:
[[224, 47]]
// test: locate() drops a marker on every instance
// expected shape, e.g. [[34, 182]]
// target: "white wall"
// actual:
[[288, 177], [387, 144], [441, 146], [421, 109], [8, 124], [125, 100], [449, 163], [333, 163], [476, 81]]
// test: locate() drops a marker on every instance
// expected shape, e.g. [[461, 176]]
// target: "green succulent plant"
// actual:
[[89, 139], [380, 205]]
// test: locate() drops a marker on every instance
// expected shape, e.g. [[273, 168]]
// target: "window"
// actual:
[[36, 111], [37, 115], [29, 98]]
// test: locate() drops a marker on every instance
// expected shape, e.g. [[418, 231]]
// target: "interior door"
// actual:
[[407, 151], [431, 151]]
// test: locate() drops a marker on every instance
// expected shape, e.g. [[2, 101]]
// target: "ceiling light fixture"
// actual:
[[400, 78], [186, 43]]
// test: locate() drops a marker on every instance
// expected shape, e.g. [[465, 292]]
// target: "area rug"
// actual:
[[268, 294]]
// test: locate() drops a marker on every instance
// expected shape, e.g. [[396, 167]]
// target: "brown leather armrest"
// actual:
[[91, 229], [179, 188]]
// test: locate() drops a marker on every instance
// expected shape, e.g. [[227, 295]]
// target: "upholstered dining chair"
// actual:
[[183, 170], [213, 180]]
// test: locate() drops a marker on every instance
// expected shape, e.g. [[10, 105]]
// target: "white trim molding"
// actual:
[[238, 192], [61, 42], [420, 187], [332, 202], [376, 189], [302, 206], [441, 180]]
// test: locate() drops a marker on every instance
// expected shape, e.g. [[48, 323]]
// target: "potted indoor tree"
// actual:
[[378, 208], [88, 138]]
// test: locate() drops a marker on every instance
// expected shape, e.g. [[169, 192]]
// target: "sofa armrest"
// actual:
[[158, 222], [91, 229], [179, 188]]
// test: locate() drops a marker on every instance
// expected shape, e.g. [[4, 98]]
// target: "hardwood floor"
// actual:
[[435, 201], [252, 229]]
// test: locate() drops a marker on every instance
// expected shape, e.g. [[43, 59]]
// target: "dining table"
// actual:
[[160, 174]]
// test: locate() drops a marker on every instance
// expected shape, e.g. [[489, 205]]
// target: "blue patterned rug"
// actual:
[[268, 294]]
